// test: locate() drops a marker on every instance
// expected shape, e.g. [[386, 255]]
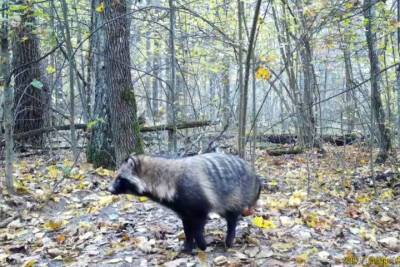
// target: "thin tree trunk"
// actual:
[[67, 38], [171, 100], [156, 76], [244, 95], [121, 100], [398, 72], [241, 137], [376, 102], [8, 99]]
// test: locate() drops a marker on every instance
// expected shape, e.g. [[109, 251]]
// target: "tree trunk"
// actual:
[[8, 99], [156, 76], [121, 100], [349, 96], [171, 98], [65, 27], [99, 151], [376, 102], [31, 93], [308, 132], [398, 72], [241, 134]]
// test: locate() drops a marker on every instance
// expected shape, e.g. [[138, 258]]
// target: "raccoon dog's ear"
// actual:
[[134, 163]]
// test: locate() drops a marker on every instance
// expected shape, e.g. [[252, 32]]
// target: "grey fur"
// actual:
[[227, 181]]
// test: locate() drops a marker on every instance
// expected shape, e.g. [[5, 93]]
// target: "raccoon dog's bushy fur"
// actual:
[[193, 187]]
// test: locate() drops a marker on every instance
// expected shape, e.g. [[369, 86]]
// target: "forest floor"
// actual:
[[315, 210]]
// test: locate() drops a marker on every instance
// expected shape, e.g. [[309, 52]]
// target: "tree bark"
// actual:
[[125, 127], [171, 98], [71, 60], [99, 151], [376, 102], [8, 99], [31, 92], [241, 136]]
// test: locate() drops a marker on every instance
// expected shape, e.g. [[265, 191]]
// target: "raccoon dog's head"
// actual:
[[127, 180]]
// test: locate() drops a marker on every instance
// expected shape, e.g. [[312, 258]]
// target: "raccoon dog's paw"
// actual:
[[187, 249]]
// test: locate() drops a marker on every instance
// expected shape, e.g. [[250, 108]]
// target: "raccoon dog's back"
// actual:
[[227, 182]]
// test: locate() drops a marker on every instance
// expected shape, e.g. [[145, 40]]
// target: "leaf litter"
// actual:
[[314, 210]]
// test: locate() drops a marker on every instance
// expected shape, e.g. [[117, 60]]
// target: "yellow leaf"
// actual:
[[302, 258], [387, 195], [53, 171], [262, 73], [312, 220], [29, 263], [104, 172], [296, 198], [262, 223], [348, 5], [20, 187], [53, 225], [143, 199], [107, 200], [68, 163], [50, 70], [363, 199], [100, 8]]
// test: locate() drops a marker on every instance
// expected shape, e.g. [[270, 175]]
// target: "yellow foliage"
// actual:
[[20, 187], [387, 195], [277, 204], [50, 70], [262, 74], [262, 223], [363, 199], [54, 225], [29, 263], [100, 8], [296, 198], [53, 171], [107, 200], [143, 199], [104, 172]]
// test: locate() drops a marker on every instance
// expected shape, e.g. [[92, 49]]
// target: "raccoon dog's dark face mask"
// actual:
[[127, 180]]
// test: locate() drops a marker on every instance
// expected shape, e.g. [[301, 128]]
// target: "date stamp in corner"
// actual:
[[352, 259]]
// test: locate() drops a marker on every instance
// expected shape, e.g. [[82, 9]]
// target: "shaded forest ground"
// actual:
[[63, 217]]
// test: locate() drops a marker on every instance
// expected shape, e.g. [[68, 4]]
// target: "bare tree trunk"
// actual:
[[241, 137], [99, 151], [398, 72], [226, 111], [8, 99], [156, 76], [171, 98], [121, 100], [244, 95], [349, 97], [70, 55], [31, 94], [376, 102]]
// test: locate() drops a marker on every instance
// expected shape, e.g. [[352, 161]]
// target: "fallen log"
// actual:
[[285, 151], [155, 128], [337, 140]]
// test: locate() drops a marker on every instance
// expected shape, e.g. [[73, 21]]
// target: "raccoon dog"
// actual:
[[193, 187]]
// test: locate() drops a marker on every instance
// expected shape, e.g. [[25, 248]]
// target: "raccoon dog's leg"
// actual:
[[231, 221], [188, 245], [199, 224], [194, 228]]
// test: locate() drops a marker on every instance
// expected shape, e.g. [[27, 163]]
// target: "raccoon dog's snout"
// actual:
[[111, 189]]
